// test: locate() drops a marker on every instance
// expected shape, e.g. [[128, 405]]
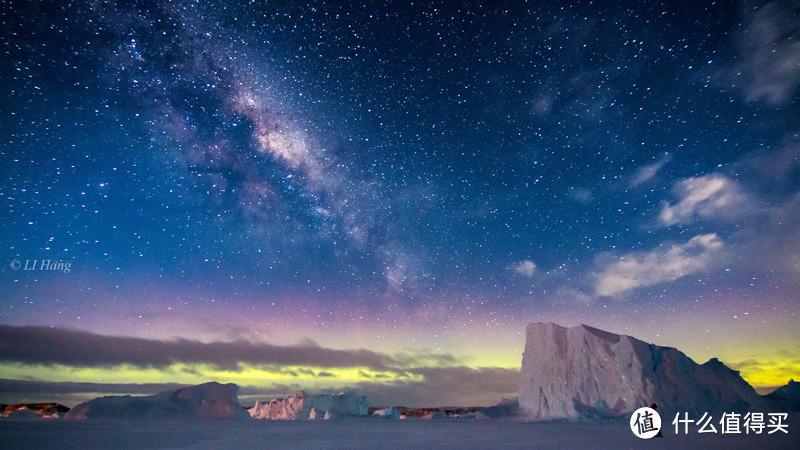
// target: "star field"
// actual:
[[424, 177]]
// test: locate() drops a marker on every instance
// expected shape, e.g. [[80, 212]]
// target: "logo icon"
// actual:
[[645, 423], [15, 264]]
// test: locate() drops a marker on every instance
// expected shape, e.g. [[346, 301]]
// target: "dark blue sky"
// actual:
[[393, 167]]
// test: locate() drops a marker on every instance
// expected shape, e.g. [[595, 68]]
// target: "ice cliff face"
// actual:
[[586, 372], [302, 406], [204, 401]]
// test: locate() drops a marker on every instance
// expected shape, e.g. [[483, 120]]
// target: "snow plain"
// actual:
[[362, 433]]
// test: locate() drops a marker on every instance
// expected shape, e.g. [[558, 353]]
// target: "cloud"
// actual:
[[705, 197], [446, 386], [71, 393], [769, 67], [763, 204], [44, 345], [565, 295], [649, 171], [437, 386], [660, 265], [581, 195], [525, 268], [770, 242], [415, 383], [66, 387], [543, 104], [775, 170]]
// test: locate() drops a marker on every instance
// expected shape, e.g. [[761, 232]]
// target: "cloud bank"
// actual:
[[44, 345], [421, 379], [439, 386]]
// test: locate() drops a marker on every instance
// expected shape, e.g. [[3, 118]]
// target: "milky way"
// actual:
[[402, 183]]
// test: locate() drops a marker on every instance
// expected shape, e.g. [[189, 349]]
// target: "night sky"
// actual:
[[406, 184]]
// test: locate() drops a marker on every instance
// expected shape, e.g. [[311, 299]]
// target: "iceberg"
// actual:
[[584, 372], [204, 401], [302, 406], [387, 413]]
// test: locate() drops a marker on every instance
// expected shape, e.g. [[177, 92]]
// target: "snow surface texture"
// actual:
[[366, 433], [583, 372], [301, 406], [204, 401]]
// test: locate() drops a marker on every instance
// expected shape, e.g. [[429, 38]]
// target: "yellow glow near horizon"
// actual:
[[770, 372], [200, 373], [764, 371]]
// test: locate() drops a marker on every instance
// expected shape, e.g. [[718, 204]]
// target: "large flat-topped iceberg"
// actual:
[[587, 372]]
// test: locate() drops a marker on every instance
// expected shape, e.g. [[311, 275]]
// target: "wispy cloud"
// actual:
[[763, 204], [706, 197], [446, 386], [647, 172], [770, 242], [769, 63], [662, 264], [525, 268], [580, 194]]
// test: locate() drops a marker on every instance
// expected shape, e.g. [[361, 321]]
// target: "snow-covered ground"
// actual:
[[361, 433]]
